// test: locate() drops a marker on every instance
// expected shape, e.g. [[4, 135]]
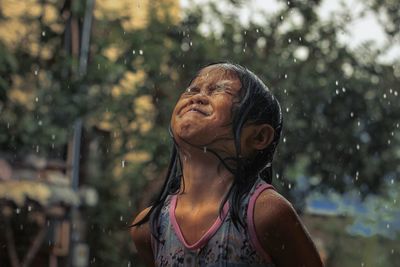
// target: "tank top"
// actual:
[[222, 245]]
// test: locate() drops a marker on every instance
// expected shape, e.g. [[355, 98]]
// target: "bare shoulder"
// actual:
[[272, 209], [140, 232], [141, 235], [281, 232]]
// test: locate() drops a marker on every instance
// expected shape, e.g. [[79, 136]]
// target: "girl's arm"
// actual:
[[282, 234], [141, 236]]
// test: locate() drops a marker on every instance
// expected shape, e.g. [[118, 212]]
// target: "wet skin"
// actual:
[[203, 113]]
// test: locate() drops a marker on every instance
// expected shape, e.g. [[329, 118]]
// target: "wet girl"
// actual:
[[217, 207]]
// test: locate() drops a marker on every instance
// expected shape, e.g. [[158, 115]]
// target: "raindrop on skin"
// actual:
[[205, 149]]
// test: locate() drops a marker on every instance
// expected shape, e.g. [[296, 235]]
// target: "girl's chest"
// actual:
[[195, 223]]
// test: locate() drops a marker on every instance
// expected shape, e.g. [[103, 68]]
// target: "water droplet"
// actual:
[[133, 52], [17, 211], [140, 52], [387, 226], [29, 208], [384, 96], [290, 186], [284, 139], [286, 76], [358, 123], [36, 72], [337, 91], [190, 43], [358, 147], [36, 99], [123, 163], [43, 33], [395, 93], [37, 149], [289, 40], [351, 114], [337, 83], [287, 109], [40, 123], [343, 89], [121, 218], [205, 149]]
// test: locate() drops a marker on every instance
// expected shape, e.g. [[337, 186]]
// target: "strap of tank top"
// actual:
[[250, 220]]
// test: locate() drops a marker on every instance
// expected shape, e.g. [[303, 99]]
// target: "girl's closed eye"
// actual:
[[191, 90], [221, 88]]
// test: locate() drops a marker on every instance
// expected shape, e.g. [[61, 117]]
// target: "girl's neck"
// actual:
[[205, 178]]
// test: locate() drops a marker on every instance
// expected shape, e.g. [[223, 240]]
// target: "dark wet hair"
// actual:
[[256, 105]]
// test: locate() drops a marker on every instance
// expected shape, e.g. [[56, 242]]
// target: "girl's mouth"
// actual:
[[198, 111]]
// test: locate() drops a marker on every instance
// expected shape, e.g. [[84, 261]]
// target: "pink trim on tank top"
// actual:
[[206, 237], [250, 222]]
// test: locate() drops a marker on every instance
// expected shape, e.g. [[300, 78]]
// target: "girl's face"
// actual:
[[203, 113]]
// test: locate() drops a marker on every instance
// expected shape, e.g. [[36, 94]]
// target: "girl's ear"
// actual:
[[257, 137]]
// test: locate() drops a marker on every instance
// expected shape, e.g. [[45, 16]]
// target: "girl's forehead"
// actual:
[[216, 73]]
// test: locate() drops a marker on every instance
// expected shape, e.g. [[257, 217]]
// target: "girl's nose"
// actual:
[[199, 98]]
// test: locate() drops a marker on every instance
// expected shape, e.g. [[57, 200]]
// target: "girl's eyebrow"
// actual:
[[224, 83]]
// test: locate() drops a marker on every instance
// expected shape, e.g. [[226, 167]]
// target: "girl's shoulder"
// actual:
[[141, 236], [272, 207], [281, 232]]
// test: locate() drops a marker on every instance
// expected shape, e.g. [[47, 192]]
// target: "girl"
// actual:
[[217, 207]]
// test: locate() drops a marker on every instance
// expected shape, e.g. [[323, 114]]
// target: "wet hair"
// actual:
[[256, 105]]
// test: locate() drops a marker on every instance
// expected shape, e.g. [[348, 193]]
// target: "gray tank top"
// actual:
[[222, 245]]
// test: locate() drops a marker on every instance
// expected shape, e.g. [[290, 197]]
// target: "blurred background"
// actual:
[[87, 89]]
